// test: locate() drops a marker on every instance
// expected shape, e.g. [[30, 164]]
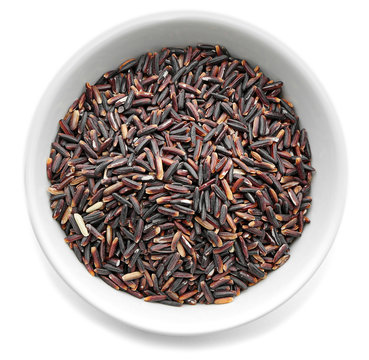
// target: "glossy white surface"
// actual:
[[314, 109]]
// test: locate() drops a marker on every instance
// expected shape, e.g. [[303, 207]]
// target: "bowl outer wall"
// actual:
[[301, 87]]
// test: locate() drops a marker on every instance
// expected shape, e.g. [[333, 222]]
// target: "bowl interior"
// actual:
[[316, 115]]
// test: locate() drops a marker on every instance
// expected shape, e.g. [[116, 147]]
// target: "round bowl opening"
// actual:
[[316, 114]]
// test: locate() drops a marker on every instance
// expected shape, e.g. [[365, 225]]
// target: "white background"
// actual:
[[41, 318]]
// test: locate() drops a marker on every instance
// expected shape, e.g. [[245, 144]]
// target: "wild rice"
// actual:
[[181, 177]]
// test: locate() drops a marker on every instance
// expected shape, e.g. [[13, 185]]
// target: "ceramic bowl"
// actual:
[[317, 115]]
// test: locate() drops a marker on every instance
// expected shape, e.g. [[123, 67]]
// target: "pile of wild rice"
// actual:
[[182, 176]]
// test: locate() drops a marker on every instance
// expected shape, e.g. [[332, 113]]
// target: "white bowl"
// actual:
[[317, 115]]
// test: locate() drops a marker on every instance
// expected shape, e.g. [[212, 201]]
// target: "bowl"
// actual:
[[317, 115]]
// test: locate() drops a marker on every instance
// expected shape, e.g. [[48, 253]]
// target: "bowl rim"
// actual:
[[154, 19]]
